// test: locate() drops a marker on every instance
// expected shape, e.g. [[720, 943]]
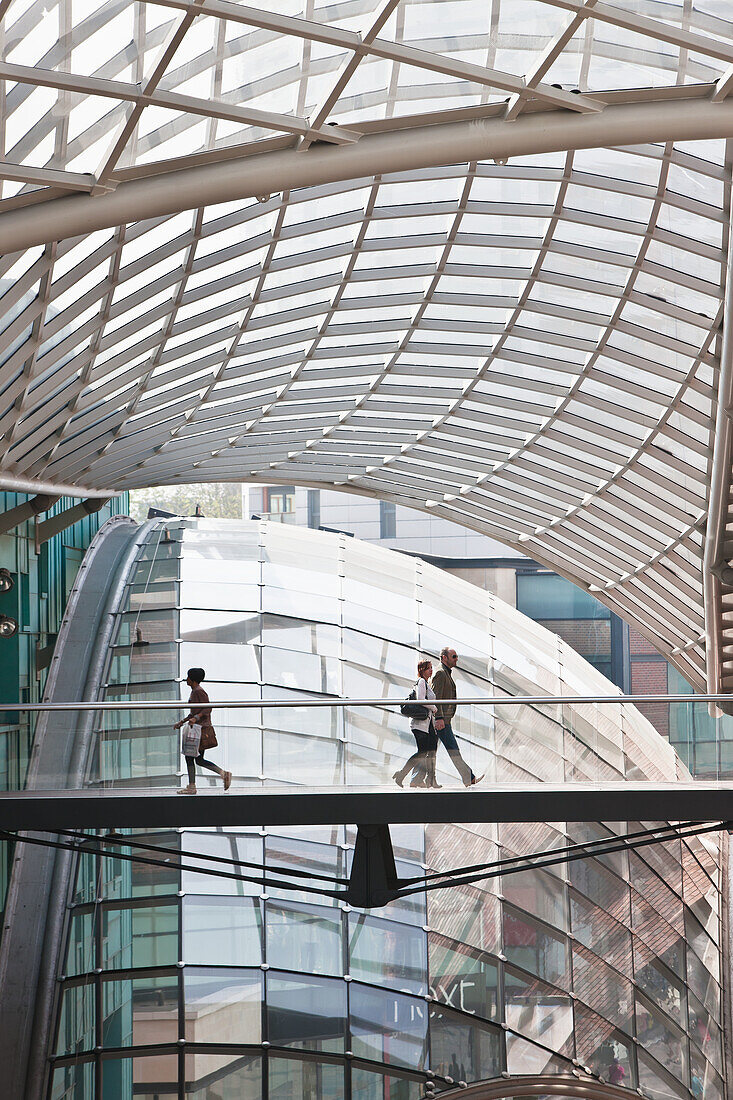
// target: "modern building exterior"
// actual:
[[38, 567], [173, 984], [703, 740], [472, 258]]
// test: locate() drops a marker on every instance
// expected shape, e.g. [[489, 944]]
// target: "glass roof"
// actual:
[[530, 348]]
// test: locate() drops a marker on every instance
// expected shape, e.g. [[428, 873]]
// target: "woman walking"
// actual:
[[422, 761], [200, 715]]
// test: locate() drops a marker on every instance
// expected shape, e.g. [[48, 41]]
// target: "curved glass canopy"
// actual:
[[529, 348]]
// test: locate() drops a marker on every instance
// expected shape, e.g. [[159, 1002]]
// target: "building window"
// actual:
[[387, 520], [314, 508], [279, 501], [576, 616]]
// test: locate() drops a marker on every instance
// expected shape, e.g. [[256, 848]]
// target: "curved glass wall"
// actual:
[[178, 983]]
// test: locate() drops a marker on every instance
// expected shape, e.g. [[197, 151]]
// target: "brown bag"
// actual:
[[208, 738]]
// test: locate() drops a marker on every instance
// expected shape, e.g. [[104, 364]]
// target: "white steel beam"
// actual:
[[379, 47], [631, 20], [13, 483], [45, 177], [174, 101], [715, 567], [398, 151]]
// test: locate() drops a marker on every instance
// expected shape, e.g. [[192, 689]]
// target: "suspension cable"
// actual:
[[123, 840], [552, 860], [589, 846], [260, 881]]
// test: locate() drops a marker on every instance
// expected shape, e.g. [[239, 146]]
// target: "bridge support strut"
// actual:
[[373, 882]]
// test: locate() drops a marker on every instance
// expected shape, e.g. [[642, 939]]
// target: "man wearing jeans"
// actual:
[[444, 687]]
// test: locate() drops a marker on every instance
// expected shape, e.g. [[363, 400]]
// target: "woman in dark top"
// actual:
[[200, 715]]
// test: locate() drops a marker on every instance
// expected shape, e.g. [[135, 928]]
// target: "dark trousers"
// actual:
[[448, 738], [422, 762], [191, 761]]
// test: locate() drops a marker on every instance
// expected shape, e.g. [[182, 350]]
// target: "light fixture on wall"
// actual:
[[8, 626], [7, 580]]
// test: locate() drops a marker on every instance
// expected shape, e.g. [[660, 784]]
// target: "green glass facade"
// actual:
[[43, 577]]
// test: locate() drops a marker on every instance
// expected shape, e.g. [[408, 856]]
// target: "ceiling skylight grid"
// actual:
[[530, 348]]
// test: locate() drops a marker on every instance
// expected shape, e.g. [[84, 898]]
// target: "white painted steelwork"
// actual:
[[382, 304]]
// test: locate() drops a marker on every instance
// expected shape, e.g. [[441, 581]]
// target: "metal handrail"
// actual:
[[490, 700]]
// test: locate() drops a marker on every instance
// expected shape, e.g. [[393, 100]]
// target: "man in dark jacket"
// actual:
[[444, 687]]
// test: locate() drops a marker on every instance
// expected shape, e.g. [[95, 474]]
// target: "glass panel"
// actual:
[[306, 637], [703, 946], [227, 846], [139, 936], [660, 984], [304, 938], [467, 914], [539, 1011], [526, 1058], [703, 985], [232, 627], [539, 893], [604, 1051], [388, 1027], [597, 930], [705, 1083], [461, 1049], [223, 1006], [149, 626], [535, 948], [80, 950], [222, 931], [139, 1011], [154, 1076], [663, 1041], [655, 892], [600, 987], [386, 953], [284, 759], [663, 941], [309, 1013], [546, 596], [223, 1077], [654, 1082], [293, 1080], [705, 1032], [76, 1019], [303, 855], [373, 1086], [74, 1082], [463, 979], [604, 889]]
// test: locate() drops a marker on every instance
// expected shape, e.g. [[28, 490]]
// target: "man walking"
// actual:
[[444, 687]]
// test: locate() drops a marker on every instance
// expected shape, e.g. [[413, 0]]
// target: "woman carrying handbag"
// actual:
[[200, 716], [423, 730]]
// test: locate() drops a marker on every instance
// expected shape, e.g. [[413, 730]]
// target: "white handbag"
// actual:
[[191, 739]]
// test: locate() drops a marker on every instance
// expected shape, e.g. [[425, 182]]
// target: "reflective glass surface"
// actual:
[[611, 960]]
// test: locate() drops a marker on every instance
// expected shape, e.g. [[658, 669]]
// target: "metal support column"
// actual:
[[373, 881]]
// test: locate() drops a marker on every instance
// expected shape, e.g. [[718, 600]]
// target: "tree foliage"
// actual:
[[217, 501]]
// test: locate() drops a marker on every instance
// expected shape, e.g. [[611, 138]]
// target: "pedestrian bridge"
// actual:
[[104, 808]]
